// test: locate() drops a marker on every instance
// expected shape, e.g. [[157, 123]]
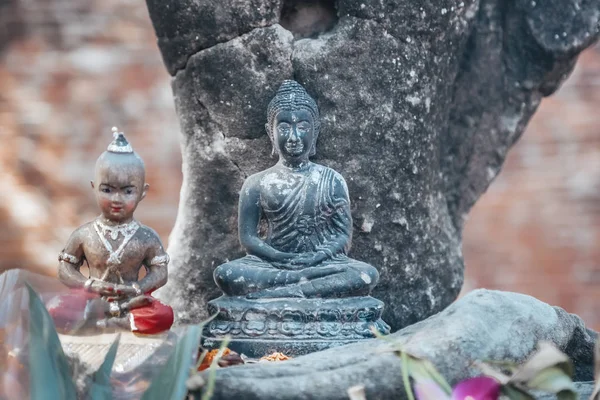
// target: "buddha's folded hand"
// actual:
[[311, 259], [281, 257], [287, 265]]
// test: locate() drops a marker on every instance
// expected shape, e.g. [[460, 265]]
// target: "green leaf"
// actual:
[[435, 375], [405, 375], [49, 370], [101, 388], [514, 393], [422, 370], [554, 380], [548, 370], [414, 367], [212, 370], [547, 356], [170, 382]]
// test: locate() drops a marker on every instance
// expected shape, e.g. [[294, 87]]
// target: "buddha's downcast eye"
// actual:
[[105, 189], [284, 127], [304, 126]]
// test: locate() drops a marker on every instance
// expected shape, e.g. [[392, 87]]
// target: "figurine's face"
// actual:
[[293, 134], [119, 186]]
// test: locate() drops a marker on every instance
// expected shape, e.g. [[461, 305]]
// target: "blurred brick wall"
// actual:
[[70, 70], [537, 229]]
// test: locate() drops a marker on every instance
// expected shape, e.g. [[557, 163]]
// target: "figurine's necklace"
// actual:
[[127, 230], [114, 258]]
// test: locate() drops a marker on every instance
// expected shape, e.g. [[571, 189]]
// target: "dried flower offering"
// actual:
[[275, 357]]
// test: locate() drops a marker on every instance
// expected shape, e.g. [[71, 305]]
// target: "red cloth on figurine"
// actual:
[[69, 309], [154, 318]]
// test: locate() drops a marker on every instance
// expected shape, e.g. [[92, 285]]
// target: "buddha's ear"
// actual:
[[92, 184], [145, 191], [313, 149], [271, 138]]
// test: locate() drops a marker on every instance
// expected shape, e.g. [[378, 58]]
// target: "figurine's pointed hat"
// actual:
[[119, 143]]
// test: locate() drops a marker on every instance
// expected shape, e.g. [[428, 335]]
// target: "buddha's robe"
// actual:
[[69, 310], [305, 215]]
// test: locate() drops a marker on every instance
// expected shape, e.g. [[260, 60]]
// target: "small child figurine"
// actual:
[[115, 247]]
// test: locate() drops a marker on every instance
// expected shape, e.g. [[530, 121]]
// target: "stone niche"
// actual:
[[419, 104]]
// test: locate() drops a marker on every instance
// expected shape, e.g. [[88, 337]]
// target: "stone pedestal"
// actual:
[[292, 326], [133, 351]]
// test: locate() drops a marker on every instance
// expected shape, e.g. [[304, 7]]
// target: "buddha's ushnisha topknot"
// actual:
[[119, 143], [290, 96]]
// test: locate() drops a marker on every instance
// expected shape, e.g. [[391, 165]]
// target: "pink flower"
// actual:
[[480, 388]]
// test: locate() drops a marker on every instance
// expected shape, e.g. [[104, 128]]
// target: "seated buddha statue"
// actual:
[[115, 247], [306, 210]]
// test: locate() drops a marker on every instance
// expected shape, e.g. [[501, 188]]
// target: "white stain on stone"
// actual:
[[400, 220], [315, 175], [367, 225], [366, 278], [414, 100]]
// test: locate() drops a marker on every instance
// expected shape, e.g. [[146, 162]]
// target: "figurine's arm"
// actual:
[[156, 262], [249, 214], [70, 260]]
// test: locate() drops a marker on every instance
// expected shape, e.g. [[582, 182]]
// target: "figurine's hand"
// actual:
[[104, 288], [125, 291], [112, 290], [137, 302], [309, 259]]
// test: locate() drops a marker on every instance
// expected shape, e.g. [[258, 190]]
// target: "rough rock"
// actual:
[[484, 325], [186, 27], [419, 105]]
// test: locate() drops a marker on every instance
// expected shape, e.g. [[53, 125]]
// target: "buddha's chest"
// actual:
[[289, 193]]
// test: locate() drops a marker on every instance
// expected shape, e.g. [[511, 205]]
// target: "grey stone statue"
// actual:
[[302, 251]]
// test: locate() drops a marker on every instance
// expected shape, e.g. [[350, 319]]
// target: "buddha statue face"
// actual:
[[293, 122], [293, 134], [119, 185]]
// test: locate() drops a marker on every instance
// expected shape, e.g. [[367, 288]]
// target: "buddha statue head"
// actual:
[[120, 180], [293, 122]]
